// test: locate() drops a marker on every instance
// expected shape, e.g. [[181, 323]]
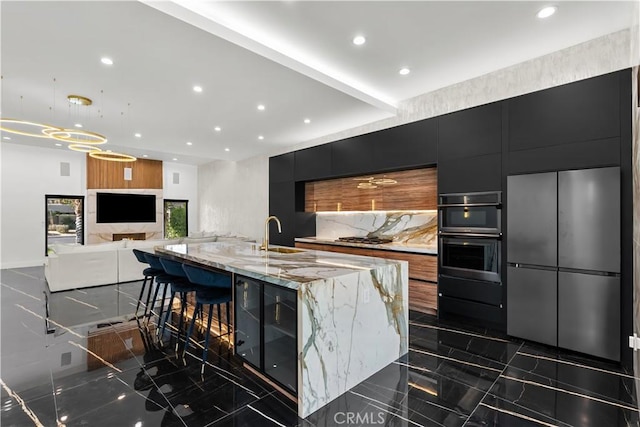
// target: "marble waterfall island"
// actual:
[[352, 311]]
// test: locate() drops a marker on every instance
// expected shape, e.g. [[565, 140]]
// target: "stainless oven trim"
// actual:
[[478, 193], [467, 273], [462, 230]]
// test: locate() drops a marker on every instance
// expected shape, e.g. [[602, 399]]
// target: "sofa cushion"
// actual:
[[99, 247]]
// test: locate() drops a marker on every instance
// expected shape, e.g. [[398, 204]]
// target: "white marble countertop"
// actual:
[[286, 269], [400, 247]]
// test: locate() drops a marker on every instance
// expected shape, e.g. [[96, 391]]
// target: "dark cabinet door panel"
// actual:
[[471, 132], [352, 156], [481, 173], [282, 205], [581, 155], [281, 168], [465, 310], [581, 111], [411, 145], [469, 289], [313, 163]]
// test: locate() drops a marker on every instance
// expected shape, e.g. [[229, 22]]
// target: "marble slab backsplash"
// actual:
[[418, 228]]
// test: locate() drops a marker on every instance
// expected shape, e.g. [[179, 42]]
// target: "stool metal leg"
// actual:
[[166, 318], [219, 321], [183, 312], [144, 283], [190, 331], [152, 304], [206, 339]]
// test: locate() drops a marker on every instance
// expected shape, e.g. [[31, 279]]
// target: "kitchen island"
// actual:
[[350, 318]]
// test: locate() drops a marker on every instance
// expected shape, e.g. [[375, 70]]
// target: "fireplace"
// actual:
[[129, 236]]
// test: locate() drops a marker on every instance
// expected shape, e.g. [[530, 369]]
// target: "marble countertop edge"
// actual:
[[398, 247]]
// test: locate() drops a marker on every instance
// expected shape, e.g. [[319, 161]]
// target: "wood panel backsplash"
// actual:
[[102, 174], [415, 189]]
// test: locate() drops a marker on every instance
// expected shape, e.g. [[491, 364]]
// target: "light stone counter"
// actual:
[[352, 310], [429, 249]]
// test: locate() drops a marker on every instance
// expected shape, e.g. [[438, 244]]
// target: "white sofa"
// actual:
[[76, 266]]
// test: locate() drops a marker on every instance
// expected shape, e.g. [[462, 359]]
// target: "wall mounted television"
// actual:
[[120, 207]]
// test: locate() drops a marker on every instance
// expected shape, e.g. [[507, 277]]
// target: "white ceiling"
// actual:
[[295, 57]]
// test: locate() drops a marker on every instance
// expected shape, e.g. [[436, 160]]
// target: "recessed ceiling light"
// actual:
[[404, 71], [359, 40], [6, 137], [175, 159], [78, 125], [260, 137], [145, 155], [217, 128], [227, 149], [106, 61], [137, 135], [197, 89], [189, 143], [261, 107], [546, 12], [307, 121], [58, 144]]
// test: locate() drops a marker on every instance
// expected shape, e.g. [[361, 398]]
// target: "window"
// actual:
[[64, 216], [176, 214]]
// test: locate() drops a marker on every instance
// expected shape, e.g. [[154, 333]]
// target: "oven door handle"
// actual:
[[469, 205], [485, 235]]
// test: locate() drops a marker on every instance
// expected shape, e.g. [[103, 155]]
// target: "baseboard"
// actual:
[[21, 264]]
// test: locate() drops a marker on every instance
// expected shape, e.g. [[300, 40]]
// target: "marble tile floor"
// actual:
[[88, 364]]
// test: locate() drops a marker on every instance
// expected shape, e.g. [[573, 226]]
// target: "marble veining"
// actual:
[[353, 310], [398, 247], [405, 227]]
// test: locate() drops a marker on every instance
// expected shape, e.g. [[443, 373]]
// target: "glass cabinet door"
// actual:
[[280, 333], [247, 320]]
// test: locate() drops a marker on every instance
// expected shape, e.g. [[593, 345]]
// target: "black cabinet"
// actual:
[[313, 163], [403, 147], [282, 205], [581, 111], [266, 329], [352, 156], [470, 133], [281, 168], [469, 174]]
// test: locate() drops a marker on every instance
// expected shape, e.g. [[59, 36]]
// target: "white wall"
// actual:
[[28, 173], [186, 189], [234, 196]]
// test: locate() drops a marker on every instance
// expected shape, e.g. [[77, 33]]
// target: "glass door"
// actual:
[[64, 217], [176, 218], [280, 335], [248, 296]]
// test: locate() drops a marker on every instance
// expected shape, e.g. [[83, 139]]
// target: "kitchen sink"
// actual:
[[285, 250]]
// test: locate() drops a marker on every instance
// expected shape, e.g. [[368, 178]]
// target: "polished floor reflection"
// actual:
[[79, 358]]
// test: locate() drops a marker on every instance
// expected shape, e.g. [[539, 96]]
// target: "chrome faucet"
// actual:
[[265, 244]]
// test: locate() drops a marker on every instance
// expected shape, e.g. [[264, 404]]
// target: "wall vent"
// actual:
[[65, 169], [176, 178]]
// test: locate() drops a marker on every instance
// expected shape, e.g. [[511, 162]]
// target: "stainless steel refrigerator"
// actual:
[[563, 254]]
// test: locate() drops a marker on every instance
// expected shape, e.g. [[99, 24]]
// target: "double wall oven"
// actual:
[[470, 235]]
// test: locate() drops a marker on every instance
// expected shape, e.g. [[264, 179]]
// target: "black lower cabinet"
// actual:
[[471, 301], [266, 330]]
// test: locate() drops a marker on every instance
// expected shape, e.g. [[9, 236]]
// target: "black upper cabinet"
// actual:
[[469, 174], [471, 132], [411, 145], [581, 111], [352, 156], [313, 163], [281, 168], [282, 205]]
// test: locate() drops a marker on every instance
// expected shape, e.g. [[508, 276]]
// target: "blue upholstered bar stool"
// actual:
[[149, 274], [215, 290], [181, 287], [163, 280]]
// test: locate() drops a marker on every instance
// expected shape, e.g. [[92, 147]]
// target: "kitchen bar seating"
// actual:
[[150, 274], [215, 289], [180, 285]]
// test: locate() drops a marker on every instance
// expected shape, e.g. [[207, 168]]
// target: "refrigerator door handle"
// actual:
[[532, 266], [592, 272]]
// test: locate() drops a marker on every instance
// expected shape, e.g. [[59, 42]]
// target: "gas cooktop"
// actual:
[[367, 240]]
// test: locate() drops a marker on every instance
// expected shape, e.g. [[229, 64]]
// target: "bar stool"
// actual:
[[181, 287], [163, 280], [215, 290], [149, 275]]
